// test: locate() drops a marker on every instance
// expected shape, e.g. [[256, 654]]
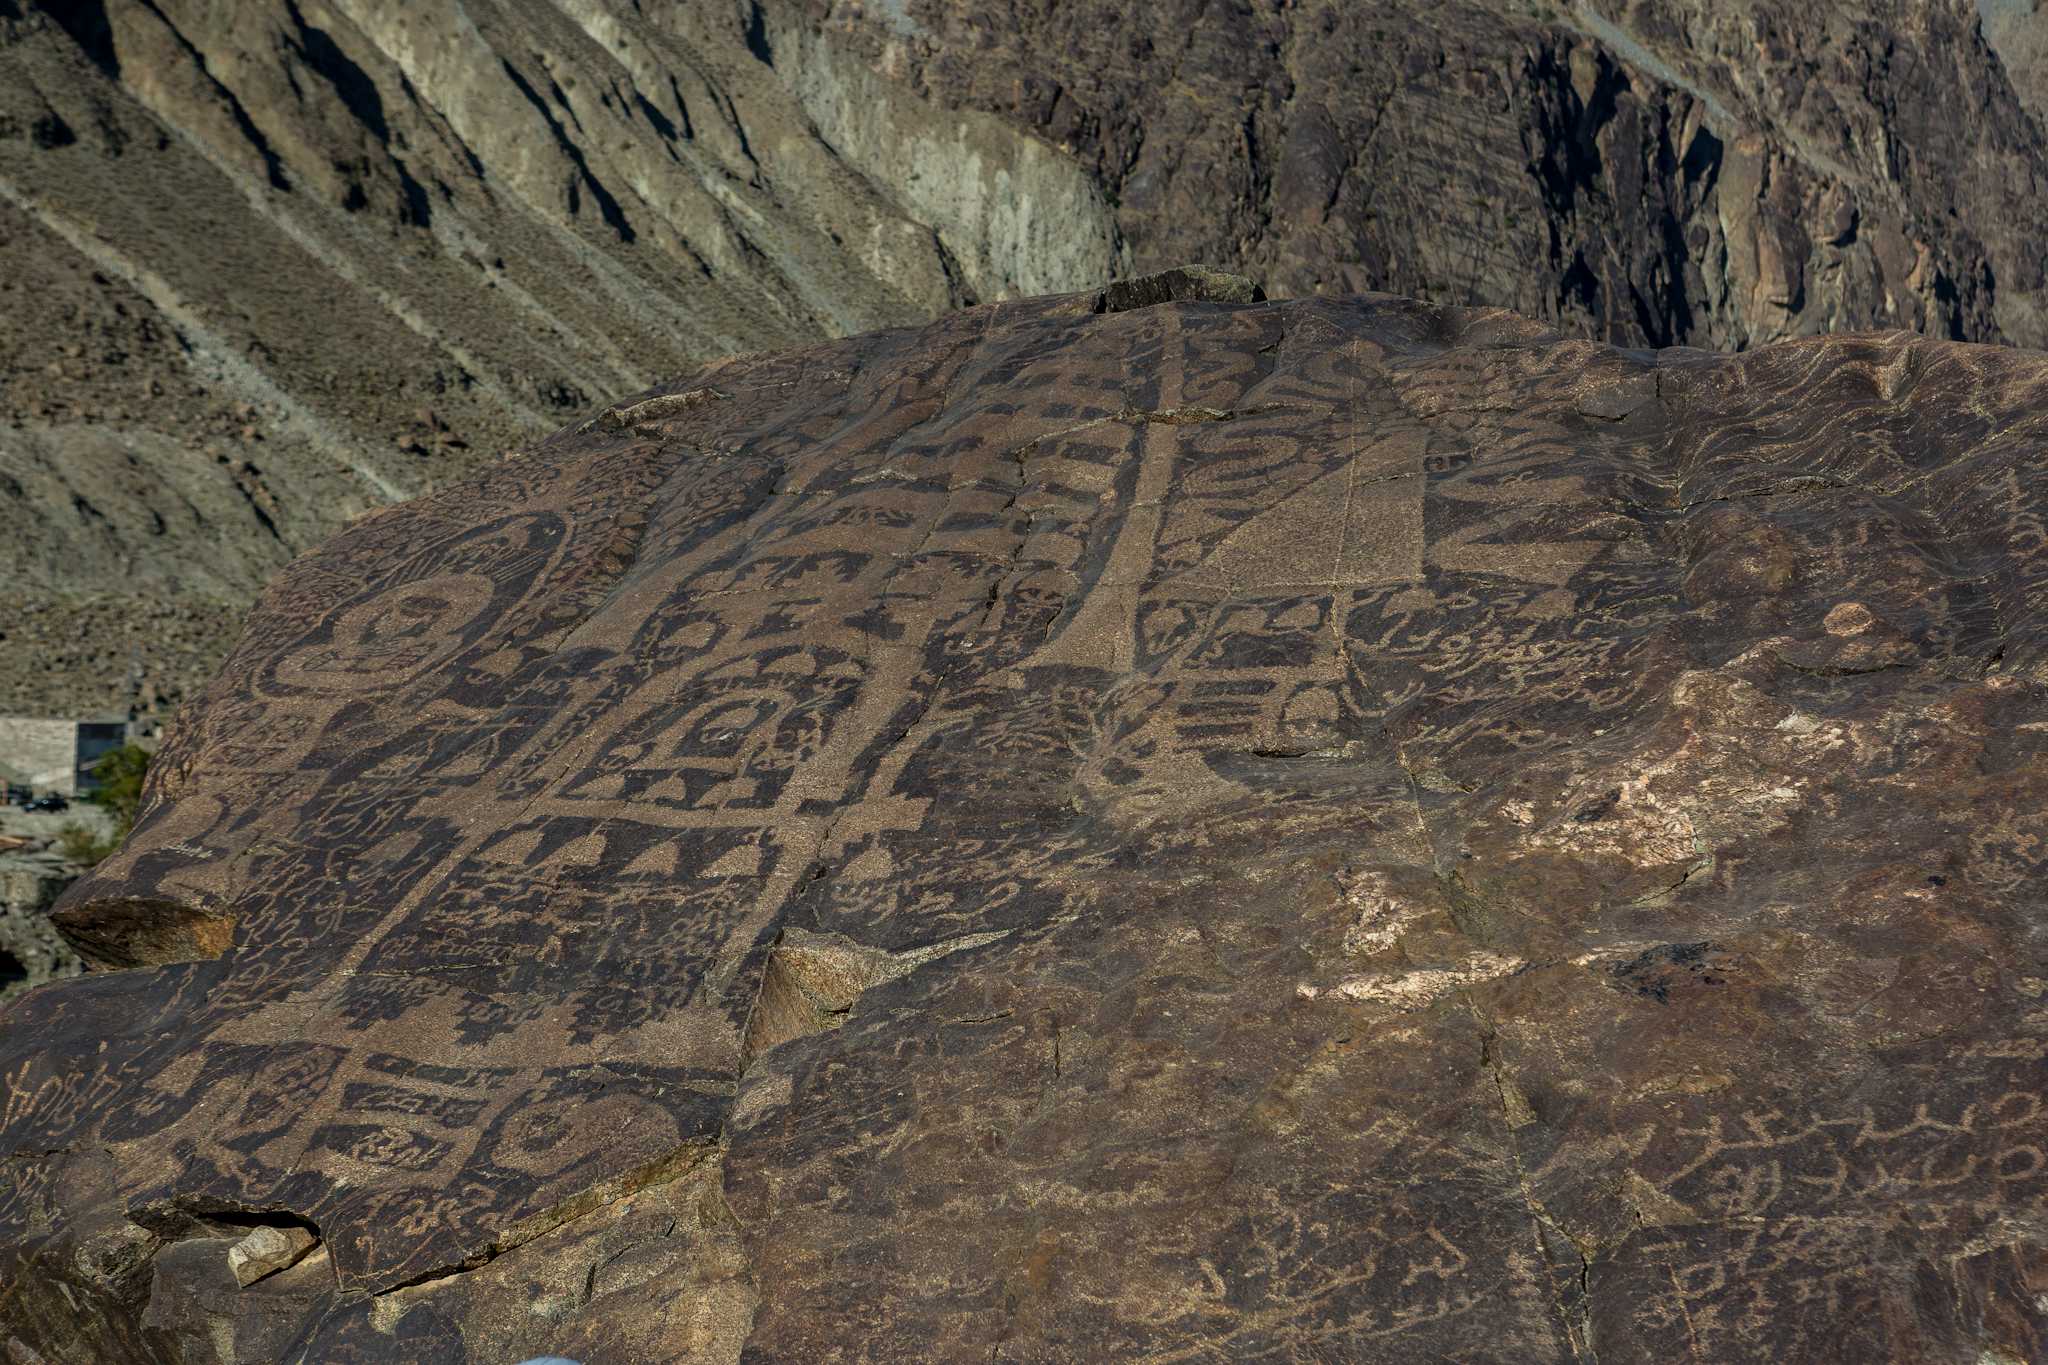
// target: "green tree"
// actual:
[[119, 793], [119, 775]]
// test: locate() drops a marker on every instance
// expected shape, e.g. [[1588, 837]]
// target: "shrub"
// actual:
[[81, 845], [119, 773]]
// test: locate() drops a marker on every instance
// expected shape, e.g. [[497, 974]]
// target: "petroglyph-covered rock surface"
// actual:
[[1201, 829]]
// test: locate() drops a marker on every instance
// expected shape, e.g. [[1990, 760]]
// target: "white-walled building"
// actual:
[[55, 755]]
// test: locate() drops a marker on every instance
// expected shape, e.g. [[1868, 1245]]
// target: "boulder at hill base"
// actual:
[[1150, 825]]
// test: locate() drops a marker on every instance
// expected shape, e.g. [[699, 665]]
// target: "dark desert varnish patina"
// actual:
[[1198, 830]]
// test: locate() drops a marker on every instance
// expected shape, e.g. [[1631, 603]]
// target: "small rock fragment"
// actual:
[[1183, 284], [267, 1250], [1849, 618], [654, 409]]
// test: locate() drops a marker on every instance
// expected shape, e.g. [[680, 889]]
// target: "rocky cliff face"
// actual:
[[1692, 172], [1118, 825]]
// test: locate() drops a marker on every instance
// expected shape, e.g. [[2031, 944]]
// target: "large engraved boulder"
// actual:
[[1147, 825]]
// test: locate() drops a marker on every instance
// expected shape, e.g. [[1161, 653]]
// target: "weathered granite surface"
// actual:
[[1253, 831]]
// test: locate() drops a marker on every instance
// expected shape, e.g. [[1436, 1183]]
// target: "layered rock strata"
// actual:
[[1715, 173]]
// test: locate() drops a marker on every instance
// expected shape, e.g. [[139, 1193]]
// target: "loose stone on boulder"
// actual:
[[1183, 284], [267, 1250], [1187, 829]]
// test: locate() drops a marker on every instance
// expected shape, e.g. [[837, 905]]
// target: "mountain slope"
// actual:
[[269, 265]]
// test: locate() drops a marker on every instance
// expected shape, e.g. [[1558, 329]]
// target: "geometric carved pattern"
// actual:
[[1426, 841]]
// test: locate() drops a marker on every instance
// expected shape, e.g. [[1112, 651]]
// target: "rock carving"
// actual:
[[1332, 829]]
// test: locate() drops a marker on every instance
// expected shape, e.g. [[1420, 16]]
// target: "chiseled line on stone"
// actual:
[[464, 1147], [828, 776], [433, 881], [666, 1169], [471, 841], [1136, 538], [1350, 487], [834, 766]]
